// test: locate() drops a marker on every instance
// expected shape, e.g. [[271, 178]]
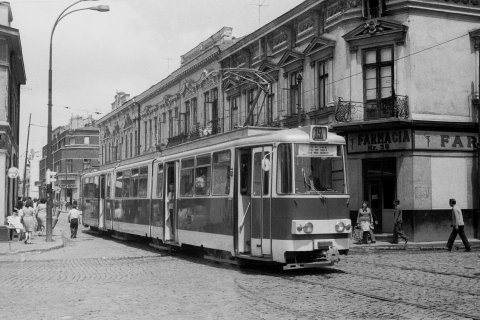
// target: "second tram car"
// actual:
[[274, 196]]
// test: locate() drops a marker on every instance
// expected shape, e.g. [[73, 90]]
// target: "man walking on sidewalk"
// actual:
[[457, 227], [398, 223], [74, 218]]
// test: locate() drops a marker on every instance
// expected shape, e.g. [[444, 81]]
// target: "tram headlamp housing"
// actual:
[[340, 226], [308, 227], [348, 227]]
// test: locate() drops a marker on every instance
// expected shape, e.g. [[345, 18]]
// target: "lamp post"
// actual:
[[49, 162]]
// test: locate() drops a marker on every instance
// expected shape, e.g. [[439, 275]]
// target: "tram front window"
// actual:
[[318, 169]]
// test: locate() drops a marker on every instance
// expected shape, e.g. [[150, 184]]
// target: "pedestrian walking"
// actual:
[[398, 223], [74, 216], [41, 212], [29, 220], [458, 227], [365, 220]]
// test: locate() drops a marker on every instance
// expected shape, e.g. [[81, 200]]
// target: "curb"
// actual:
[[58, 237], [404, 248]]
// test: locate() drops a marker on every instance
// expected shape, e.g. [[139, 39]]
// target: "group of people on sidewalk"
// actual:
[[30, 216], [366, 222]]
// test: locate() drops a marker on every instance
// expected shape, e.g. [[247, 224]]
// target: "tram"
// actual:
[[252, 194]]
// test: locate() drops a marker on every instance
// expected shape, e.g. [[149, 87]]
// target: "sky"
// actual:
[[130, 48]]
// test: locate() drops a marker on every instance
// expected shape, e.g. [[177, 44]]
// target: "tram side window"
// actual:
[[143, 182], [127, 183], [96, 186], [134, 182], [119, 185], [203, 175], [221, 173], [159, 191], [107, 177], [284, 169], [85, 187], [187, 177], [257, 178]]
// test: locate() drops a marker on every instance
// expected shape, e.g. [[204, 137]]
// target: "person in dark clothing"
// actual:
[[398, 221], [74, 216]]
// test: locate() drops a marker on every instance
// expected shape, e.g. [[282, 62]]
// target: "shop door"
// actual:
[[170, 194], [261, 245], [380, 190], [375, 201]]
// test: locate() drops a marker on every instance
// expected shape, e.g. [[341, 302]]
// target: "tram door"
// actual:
[[244, 212], [101, 203], [170, 194], [261, 242]]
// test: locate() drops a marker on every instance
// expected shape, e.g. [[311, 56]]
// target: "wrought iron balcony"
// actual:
[[351, 111]]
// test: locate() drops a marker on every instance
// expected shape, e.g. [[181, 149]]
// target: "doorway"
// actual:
[[380, 189], [170, 224]]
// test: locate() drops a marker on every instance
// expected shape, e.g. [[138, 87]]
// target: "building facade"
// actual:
[[12, 75], [75, 149], [399, 79], [182, 107]]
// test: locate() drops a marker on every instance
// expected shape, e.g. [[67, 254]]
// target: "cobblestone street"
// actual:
[[95, 277]]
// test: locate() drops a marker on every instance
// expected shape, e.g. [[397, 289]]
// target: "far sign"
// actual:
[[13, 173]]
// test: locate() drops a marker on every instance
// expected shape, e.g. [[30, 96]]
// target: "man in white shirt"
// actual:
[[74, 216], [457, 227]]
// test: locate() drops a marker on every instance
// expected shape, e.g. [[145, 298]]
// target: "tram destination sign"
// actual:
[[378, 141]]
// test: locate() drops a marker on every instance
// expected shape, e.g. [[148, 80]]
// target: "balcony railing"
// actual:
[[213, 127], [350, 111]]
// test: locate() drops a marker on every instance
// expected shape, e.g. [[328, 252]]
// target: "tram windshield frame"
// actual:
[[311, 169]]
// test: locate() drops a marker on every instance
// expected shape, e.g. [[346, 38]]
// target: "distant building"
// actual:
[[75, 149], [12, 75]]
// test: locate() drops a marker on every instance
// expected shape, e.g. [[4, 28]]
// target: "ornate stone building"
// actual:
[[182, 107], [12, 75]]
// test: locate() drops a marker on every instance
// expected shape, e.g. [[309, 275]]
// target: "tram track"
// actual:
[[356, 292]]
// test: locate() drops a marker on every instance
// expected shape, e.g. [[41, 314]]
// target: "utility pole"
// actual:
[[26, 157]]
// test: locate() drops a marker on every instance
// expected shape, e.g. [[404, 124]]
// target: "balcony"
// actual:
[[395, 107], [213, 127]]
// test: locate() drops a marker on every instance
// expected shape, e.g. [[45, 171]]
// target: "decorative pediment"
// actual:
[[269, 67], [291, 60], [229, 84], [319, 48], [376, 30], [188, 87]]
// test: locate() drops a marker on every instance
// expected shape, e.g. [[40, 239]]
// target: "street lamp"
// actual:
[[49, 164]]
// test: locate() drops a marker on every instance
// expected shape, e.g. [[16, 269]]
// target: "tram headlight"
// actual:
[[340, 226], [308, 227], [348, 227]]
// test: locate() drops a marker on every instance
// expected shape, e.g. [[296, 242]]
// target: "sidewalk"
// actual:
[[379, 246], [38, 242]]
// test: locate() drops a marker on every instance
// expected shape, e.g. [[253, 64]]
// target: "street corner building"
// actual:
[[12, 76], [398, 79]]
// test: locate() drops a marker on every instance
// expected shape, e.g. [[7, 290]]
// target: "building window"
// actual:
[[378, 82], [150, 136], [86, 140], [250, 106], [137, 147], [295, 85], [374, 8], [206, 101], [155, 120], [131, 144], [69, 166], [234, 112], [72, 140], [269, 109], [194, 111], [87, 163], [322, 84], [145, 136], [187, 117], [170, 124], [215, 120]]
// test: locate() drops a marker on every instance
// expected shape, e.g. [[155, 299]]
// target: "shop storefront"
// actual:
[[423, 166]]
